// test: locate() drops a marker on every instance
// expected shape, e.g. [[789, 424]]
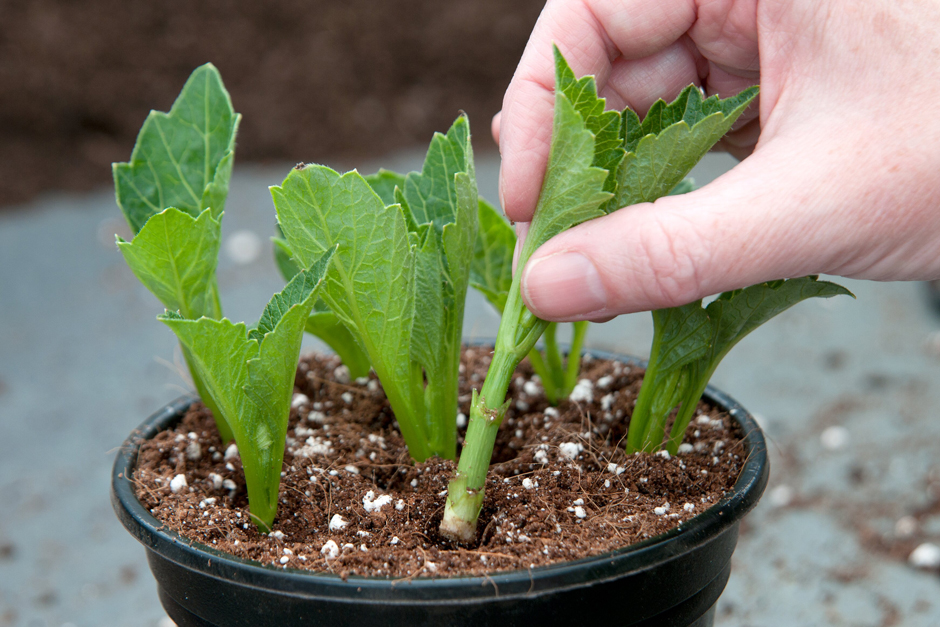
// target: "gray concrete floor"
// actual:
[[82, 362]]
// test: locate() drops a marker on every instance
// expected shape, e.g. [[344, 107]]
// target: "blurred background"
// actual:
[[315, 80], [847, 391]]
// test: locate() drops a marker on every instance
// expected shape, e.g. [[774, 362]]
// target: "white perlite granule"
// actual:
[[662, 509], [531, 388], [216, 480], [337, 522], [298, 400], [177, 483], [231, 452], [330, 549], [371, 503], [341, 374], [193, 451], [570, 450], [582, 392], [926, 556], [315, 446], [781, 496], [834, 438]]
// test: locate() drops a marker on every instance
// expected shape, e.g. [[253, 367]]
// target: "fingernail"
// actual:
[[563, 285]]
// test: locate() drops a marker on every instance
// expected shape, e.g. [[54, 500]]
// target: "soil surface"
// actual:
[[352, 501], [316, 81]]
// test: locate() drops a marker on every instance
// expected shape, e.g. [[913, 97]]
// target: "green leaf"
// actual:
[[671, 140], [604, 125], [491, 269], [431, 292], [572, 191], [443, 202], [384, 183], [683, 334], [295, 292], [175, 255], [251, 376], [432, 194], [283, 258], [182, 159], [735, 314], [370, 286], [324, 324]]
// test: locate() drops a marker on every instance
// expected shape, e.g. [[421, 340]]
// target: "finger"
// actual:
[[638, 83], [591, 35], [741, 142]]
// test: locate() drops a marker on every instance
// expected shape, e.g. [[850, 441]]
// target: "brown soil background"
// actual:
[[315, 80]]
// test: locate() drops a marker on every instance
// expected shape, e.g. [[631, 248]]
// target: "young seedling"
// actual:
[[172, 193], [598, 162], [250, 373], [399, 278], [690, 341]]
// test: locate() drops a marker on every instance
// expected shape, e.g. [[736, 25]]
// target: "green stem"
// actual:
[[441, 404], [518, 332], [639, 421], [667, 394], [573, 365], [553, 356], [700, 378], [225, 431], [541, 369]]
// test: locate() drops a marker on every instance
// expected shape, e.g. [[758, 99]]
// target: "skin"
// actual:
[[842, 167]]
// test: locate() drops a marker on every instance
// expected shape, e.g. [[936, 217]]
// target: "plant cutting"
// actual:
[[378, 266]]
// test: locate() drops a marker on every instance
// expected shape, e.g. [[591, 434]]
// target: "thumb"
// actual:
[[778, 214]]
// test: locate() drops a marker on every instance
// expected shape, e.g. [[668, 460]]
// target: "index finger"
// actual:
[[592, 34]]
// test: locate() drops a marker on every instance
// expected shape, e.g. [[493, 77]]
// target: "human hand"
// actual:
[[845, 170]]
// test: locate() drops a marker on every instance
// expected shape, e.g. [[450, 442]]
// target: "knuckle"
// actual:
[[672, 250]]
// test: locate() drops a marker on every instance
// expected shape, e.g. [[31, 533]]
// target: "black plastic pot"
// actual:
[[673, 579]]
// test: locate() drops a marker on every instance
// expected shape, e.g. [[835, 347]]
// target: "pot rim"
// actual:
[[636, 557]]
